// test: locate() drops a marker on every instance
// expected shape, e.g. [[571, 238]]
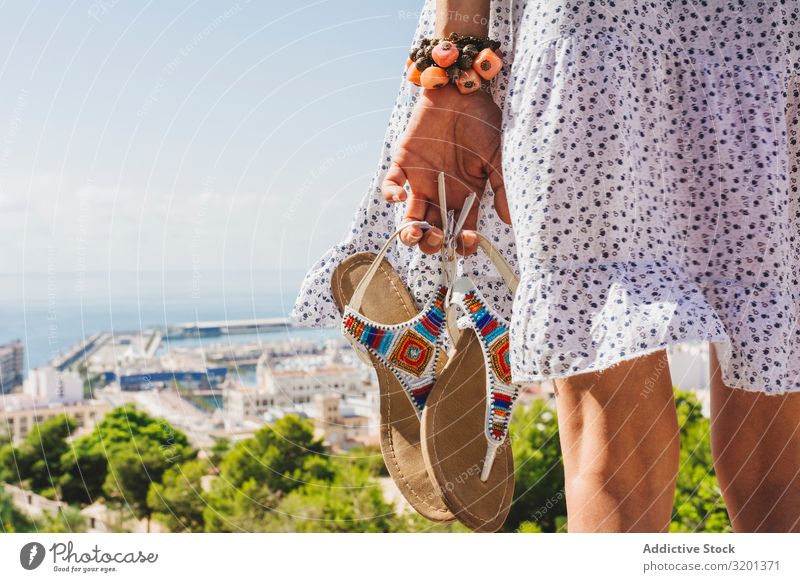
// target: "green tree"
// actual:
[[243, 508], [131, 471], [67, 520], [539, 488], [177, 502], [84, 468], [350, 502], [8, 464], [369, 458], [36, 462], [218, 450], [11, 519], [699, 506], [130, 442], [257, 472]]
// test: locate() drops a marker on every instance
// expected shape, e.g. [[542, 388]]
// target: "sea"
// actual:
[[50, 312]]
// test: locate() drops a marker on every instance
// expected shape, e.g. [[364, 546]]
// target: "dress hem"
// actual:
[[724, 341]]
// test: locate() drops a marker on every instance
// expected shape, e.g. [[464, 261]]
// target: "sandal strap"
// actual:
[[501, 393], [502, 266], [361, 289]]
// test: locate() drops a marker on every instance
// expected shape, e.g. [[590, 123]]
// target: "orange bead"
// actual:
[[468, 82], [413, 74], [408, 63], [487, 64], [434, 78], [445, 54]]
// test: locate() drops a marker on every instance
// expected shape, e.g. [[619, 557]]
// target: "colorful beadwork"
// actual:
[[407, 349], [412, 353], [493, 333]]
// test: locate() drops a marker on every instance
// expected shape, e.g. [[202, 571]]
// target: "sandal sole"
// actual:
[[454, 442], [388, 301]]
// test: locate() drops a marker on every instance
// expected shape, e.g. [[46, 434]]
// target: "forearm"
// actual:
[[466, 17]]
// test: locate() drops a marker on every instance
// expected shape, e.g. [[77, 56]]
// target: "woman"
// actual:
[[648, 158]]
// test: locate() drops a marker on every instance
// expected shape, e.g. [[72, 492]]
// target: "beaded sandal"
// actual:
[[465, 423], [403, 344]]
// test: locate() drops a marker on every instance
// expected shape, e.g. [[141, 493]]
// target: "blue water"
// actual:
[[51, 312]]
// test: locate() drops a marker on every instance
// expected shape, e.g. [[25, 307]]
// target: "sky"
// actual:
[[198, 135]]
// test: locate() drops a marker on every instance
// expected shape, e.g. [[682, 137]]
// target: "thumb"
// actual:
[[467, 243]]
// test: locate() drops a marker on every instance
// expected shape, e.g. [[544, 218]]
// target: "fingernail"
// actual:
[[414, 234], [396, 198]]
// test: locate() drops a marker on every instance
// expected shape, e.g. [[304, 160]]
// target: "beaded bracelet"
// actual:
[[461, 60]]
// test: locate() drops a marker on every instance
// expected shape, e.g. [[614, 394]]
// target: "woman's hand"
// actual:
[[460, 136]]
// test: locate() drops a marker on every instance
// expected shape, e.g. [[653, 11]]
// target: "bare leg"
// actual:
[[620, 440], [755, 440]]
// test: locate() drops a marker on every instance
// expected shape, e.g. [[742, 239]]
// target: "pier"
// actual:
[[202, 329]]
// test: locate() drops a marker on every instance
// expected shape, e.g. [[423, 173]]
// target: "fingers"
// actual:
[[393, 185], [467, 243], [415, 210], [432, 240]]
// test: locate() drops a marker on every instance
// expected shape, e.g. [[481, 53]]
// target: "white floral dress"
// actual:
[[651, 154]]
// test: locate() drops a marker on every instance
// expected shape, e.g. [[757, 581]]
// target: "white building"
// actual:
[[292, 383], [51, 385], [298, 380]]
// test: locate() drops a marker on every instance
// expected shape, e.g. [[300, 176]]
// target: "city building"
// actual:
[[52, 386], [12, 366], [291, 384], [19, 413], [47, 393], [341, 428], [297, 380]]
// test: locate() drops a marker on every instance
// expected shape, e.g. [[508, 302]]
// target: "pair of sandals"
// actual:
[[444, 416]]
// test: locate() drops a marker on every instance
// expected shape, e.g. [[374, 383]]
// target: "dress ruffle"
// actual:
[[587, 319], [584, 319]]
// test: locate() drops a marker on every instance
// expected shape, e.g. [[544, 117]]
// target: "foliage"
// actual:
[[11, 519], [698, 500], [369, 458], [218, 450], [131, 471], [258, 471], [67, 520], [8, 464], [36, 462], [350, 502], [84, 468], [177, 502], [119, 459], [539, 489], [529, 527]]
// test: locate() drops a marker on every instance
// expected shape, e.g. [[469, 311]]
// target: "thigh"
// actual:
[[619, 438], [755, 439], [627, 409]]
